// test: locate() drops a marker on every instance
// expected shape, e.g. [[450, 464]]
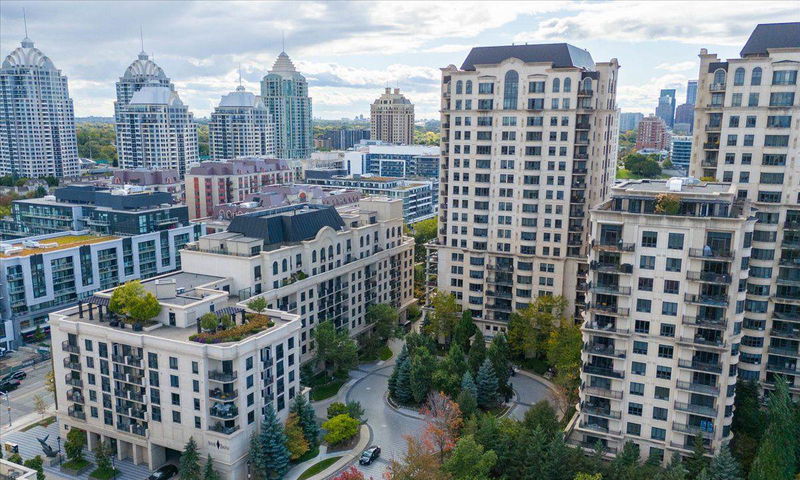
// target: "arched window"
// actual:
[[361, 241], [338, 249], [322, 254], [556, 85], [755, 78], [567, 85], [719, 77], [468, 87], [313, 256], [587, 84], [330, 252], [274, 268], [459, 86], [284, 265], [738, 76], [510, 89]]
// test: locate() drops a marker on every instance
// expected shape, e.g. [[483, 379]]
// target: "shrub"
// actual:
[[256, 323], [337, 408], [76, 440], [209, 321], [668, 203], [340, 429]]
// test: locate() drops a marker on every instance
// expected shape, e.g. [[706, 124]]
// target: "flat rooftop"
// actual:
[[660, 186], [54, 243], [186, 283]]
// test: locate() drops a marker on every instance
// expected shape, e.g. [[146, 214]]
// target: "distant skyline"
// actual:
[[349, 51]]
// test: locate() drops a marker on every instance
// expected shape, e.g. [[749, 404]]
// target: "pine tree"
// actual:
[[626, 463], [468, 384], [401, 357], [308, 419], [256, 458], [210, 473], [190, 462], [724, 466], [776, 459], [403, 384], [499, 354], [487, 385], [274, 461], [477, 353], [423, 364], [674, 471], [697, 461]]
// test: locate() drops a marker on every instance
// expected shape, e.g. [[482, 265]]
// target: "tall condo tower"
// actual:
[[392, 118], [241, 126], [285, 94]]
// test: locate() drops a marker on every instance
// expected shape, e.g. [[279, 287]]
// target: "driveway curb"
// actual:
[[364, 439]]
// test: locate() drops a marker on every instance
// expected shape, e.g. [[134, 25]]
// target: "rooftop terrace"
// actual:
[[52, 244]]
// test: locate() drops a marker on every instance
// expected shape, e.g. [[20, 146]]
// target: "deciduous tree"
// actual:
[[295, 439], [335, 349], [529, 328], [469, 460], [423, 364], [307, 418], [258, 304], [340, 429], [442, 423], [776, 457], [444, 315]]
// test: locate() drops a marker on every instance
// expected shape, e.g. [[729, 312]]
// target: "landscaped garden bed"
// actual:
[[256, 323]]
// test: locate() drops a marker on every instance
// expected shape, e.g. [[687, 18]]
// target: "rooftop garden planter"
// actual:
[[255, 323]]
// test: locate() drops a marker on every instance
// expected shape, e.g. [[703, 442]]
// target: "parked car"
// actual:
[[20, 375], [370, 455], [9, 385], [164, 472]]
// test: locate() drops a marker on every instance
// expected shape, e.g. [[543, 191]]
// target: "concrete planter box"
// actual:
[[77, 473]]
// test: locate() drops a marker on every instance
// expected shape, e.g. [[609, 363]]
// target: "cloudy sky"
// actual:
[[350, 50]]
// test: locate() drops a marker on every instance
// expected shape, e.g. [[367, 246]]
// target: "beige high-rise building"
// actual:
[[665, 308], [747, 122], [392, 118], [529, 142]]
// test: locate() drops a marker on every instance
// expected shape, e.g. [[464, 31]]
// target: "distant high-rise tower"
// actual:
[[392, 118], [652, 134], [666, 106], [684, 114], [629, 121], [142, 72], [691, 92], [285, 94], [155, 130], [241, 127], [37, 122]]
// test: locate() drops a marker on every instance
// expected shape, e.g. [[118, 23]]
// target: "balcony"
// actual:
[[609, 309], [222, 396], [700, 366], [792, 224], [585, 92], [599, 428], [706, 431], [600, 411], [224, 411], [611, 289], [711, 253], [706, 322], [785, 368], [698, 409], [602, 371], [717, 87], [703, 342], [611, 246], [785, 351], [74, 413], [67, 347], [72, 365], [602, 349], [697, 387], [709, 277], [710, 300], [127, 360], [713, 128], [129, 378], [74, 382], [222, 377], [785, 332], [608, 328], [582, 126], [130, 395], [499, 307], [500, 268], [499, 294], [602, 392], [219, 428], [75, 396]]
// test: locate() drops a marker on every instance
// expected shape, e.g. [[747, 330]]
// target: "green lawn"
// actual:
[[307, 456], [104, 474], [318, 467], [77, 464], [44, 423], [327, 390]]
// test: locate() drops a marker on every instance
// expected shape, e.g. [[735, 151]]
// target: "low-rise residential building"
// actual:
[[665, 307], [213, 183], [320, 262], [394, 160], [419, 196], [147, 389], [153, 180]]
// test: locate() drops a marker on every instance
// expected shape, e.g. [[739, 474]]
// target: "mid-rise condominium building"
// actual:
[[154, 180], [680, 153], [746, 132], [214, 183], [320, 262], [285, 94], [665, 311], [147, 389], [392, 118], [155, 130], [241, 126], [394, 160], [37, 122], [652, 134], [82, 240], [529, 142]]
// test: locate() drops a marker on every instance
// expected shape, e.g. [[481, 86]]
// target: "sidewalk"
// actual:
[[20, 422]]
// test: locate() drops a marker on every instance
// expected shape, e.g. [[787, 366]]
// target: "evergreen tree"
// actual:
[[477, 354], [401, 357], [468, 384], [403, 385], [209, 473], [256, 459], [308, 419], [626, 463], [697, 461], [499, 354], [464, 329], [190, 462], [776, 459], [467, 403], [724, 466], [556, 463], [542, 415], [274, 456], [674, 471], [487, 385], [423, 364]]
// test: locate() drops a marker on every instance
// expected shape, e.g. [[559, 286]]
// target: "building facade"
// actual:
[[652, 134], [680, 153], [629, 121], [419, 196], [141, 73], [241, 126], [392, 118], [529, 135], [665, 312], [155, 130], [666, 106], [148, 391], [344, 138], [746, 132], [394, 161], [37, 122], [319, 262], [214, 183], [284, 92]]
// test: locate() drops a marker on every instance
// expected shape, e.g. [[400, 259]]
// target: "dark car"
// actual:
[[164, 472], [370, 455], [14, 376], [9, 385]]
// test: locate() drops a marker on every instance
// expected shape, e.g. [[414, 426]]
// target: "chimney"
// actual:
[[166, 288], [396, 91]]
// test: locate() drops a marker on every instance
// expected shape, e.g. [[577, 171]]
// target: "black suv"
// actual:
[[370, 455], [164, 472]]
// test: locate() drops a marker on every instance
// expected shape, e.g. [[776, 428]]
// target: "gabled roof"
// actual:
[[559, 54], [772, 35], [287, 228]]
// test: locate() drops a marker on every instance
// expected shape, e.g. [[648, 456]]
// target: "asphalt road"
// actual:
[[22, 399]]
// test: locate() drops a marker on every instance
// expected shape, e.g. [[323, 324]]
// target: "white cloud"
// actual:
[[643, 97], [678, 67]]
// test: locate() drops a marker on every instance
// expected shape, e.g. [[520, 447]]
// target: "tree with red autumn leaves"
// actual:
[[442, 423], [351, 473]]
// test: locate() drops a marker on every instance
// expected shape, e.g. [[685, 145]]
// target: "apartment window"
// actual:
[[660, 413], [667, 330], [732, 140], [152, 360], [664, 373], [649, 239], [675, 241], [173, 381], [634, 429], [733, 120], [784, 77], [176, 416], [661, 393], [669, 308], [645, 284], [647, 262], [173, 363], [197, 404], [673, 265], [666, 351], [195, 386], [176, 399], [195, 368], [781, 99], [486, 87], [640, 348], [642, 326], [638, 368], [637, 388], [752, 100], [658, 433], [197, 423], [635, 409], [736, 101], [643, 305]]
